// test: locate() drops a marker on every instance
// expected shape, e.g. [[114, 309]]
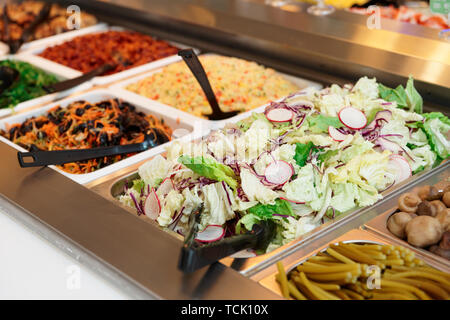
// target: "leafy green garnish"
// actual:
[[327, 155], [138, 185], [264, 212], [436, 127], [407, 98], [320, 123], [302, 152], [210, 169], [372, 114], [28, 86]]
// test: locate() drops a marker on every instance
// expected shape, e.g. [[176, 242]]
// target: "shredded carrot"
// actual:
[[83, 125]]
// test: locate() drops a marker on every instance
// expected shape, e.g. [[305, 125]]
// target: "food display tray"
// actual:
[[379, 225], [47, 40], [60, 73], [185, 130], [33, 55], [214, 124], [112, 185], [353, 236]]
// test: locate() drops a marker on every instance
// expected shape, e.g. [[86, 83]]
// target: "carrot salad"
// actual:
[[84, 125]]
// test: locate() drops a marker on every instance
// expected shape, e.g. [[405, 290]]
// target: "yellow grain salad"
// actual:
[[239, 85]]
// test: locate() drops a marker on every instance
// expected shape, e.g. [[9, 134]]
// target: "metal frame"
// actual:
[[138, 255]]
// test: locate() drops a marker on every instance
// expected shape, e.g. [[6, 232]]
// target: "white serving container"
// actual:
[[33, 55], [213, 124], [187, 131], [60, 73], [4, 49]]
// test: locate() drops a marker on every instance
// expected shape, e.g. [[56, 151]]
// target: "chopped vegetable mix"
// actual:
[[28, 86], [239, 85]]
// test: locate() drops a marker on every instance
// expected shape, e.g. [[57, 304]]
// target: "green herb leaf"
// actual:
[[320, 123], [264, 212], [414, 100], [210, 169], [302, 152]]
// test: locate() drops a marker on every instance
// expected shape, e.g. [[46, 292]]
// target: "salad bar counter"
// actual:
[[317, 170]]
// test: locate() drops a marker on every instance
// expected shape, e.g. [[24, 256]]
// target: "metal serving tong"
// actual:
[[192, 61], [14, 45], [38, 158], [194, 256]]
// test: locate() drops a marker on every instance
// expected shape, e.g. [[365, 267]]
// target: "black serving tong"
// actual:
[[39, 158], [8, 76], [194, 256], [192, 61], [14, 45], [69, 84]]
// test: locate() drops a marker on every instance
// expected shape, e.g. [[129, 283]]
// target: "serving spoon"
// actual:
[[192, 61]]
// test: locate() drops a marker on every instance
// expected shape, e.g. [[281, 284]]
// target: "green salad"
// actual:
[[304, 161], [28, 86]]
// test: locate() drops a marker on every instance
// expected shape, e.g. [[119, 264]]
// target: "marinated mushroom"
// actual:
[[438, 205], [446, 198], [443, 186], [444, 219], [423, 231], [408, 202], [397, 223], [425, 208], [429, 193]]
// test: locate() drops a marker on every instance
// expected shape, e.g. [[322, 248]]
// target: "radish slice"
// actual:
[[335, 134], [165, 187], [212, 232], [400, 167], [386, 144], [279, 115], [278, 172], [352, 118], [152, 206], [243, 254], [293, 201]]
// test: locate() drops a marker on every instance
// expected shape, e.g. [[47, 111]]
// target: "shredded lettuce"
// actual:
[[302, 152], [210, 169], [264, 212], [320, 123], [436, 128], [407, 98]]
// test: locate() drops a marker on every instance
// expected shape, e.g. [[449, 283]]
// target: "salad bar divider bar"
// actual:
[[295, 43], [313, 157]]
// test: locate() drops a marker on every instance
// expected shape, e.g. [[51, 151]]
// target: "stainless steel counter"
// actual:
[[139, 256], [333, 49], [136, 255]]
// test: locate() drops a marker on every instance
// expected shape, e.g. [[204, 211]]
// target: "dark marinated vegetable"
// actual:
[[84, 125]]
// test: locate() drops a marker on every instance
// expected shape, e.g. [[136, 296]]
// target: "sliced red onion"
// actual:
[[138, 208], [226, 192]]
